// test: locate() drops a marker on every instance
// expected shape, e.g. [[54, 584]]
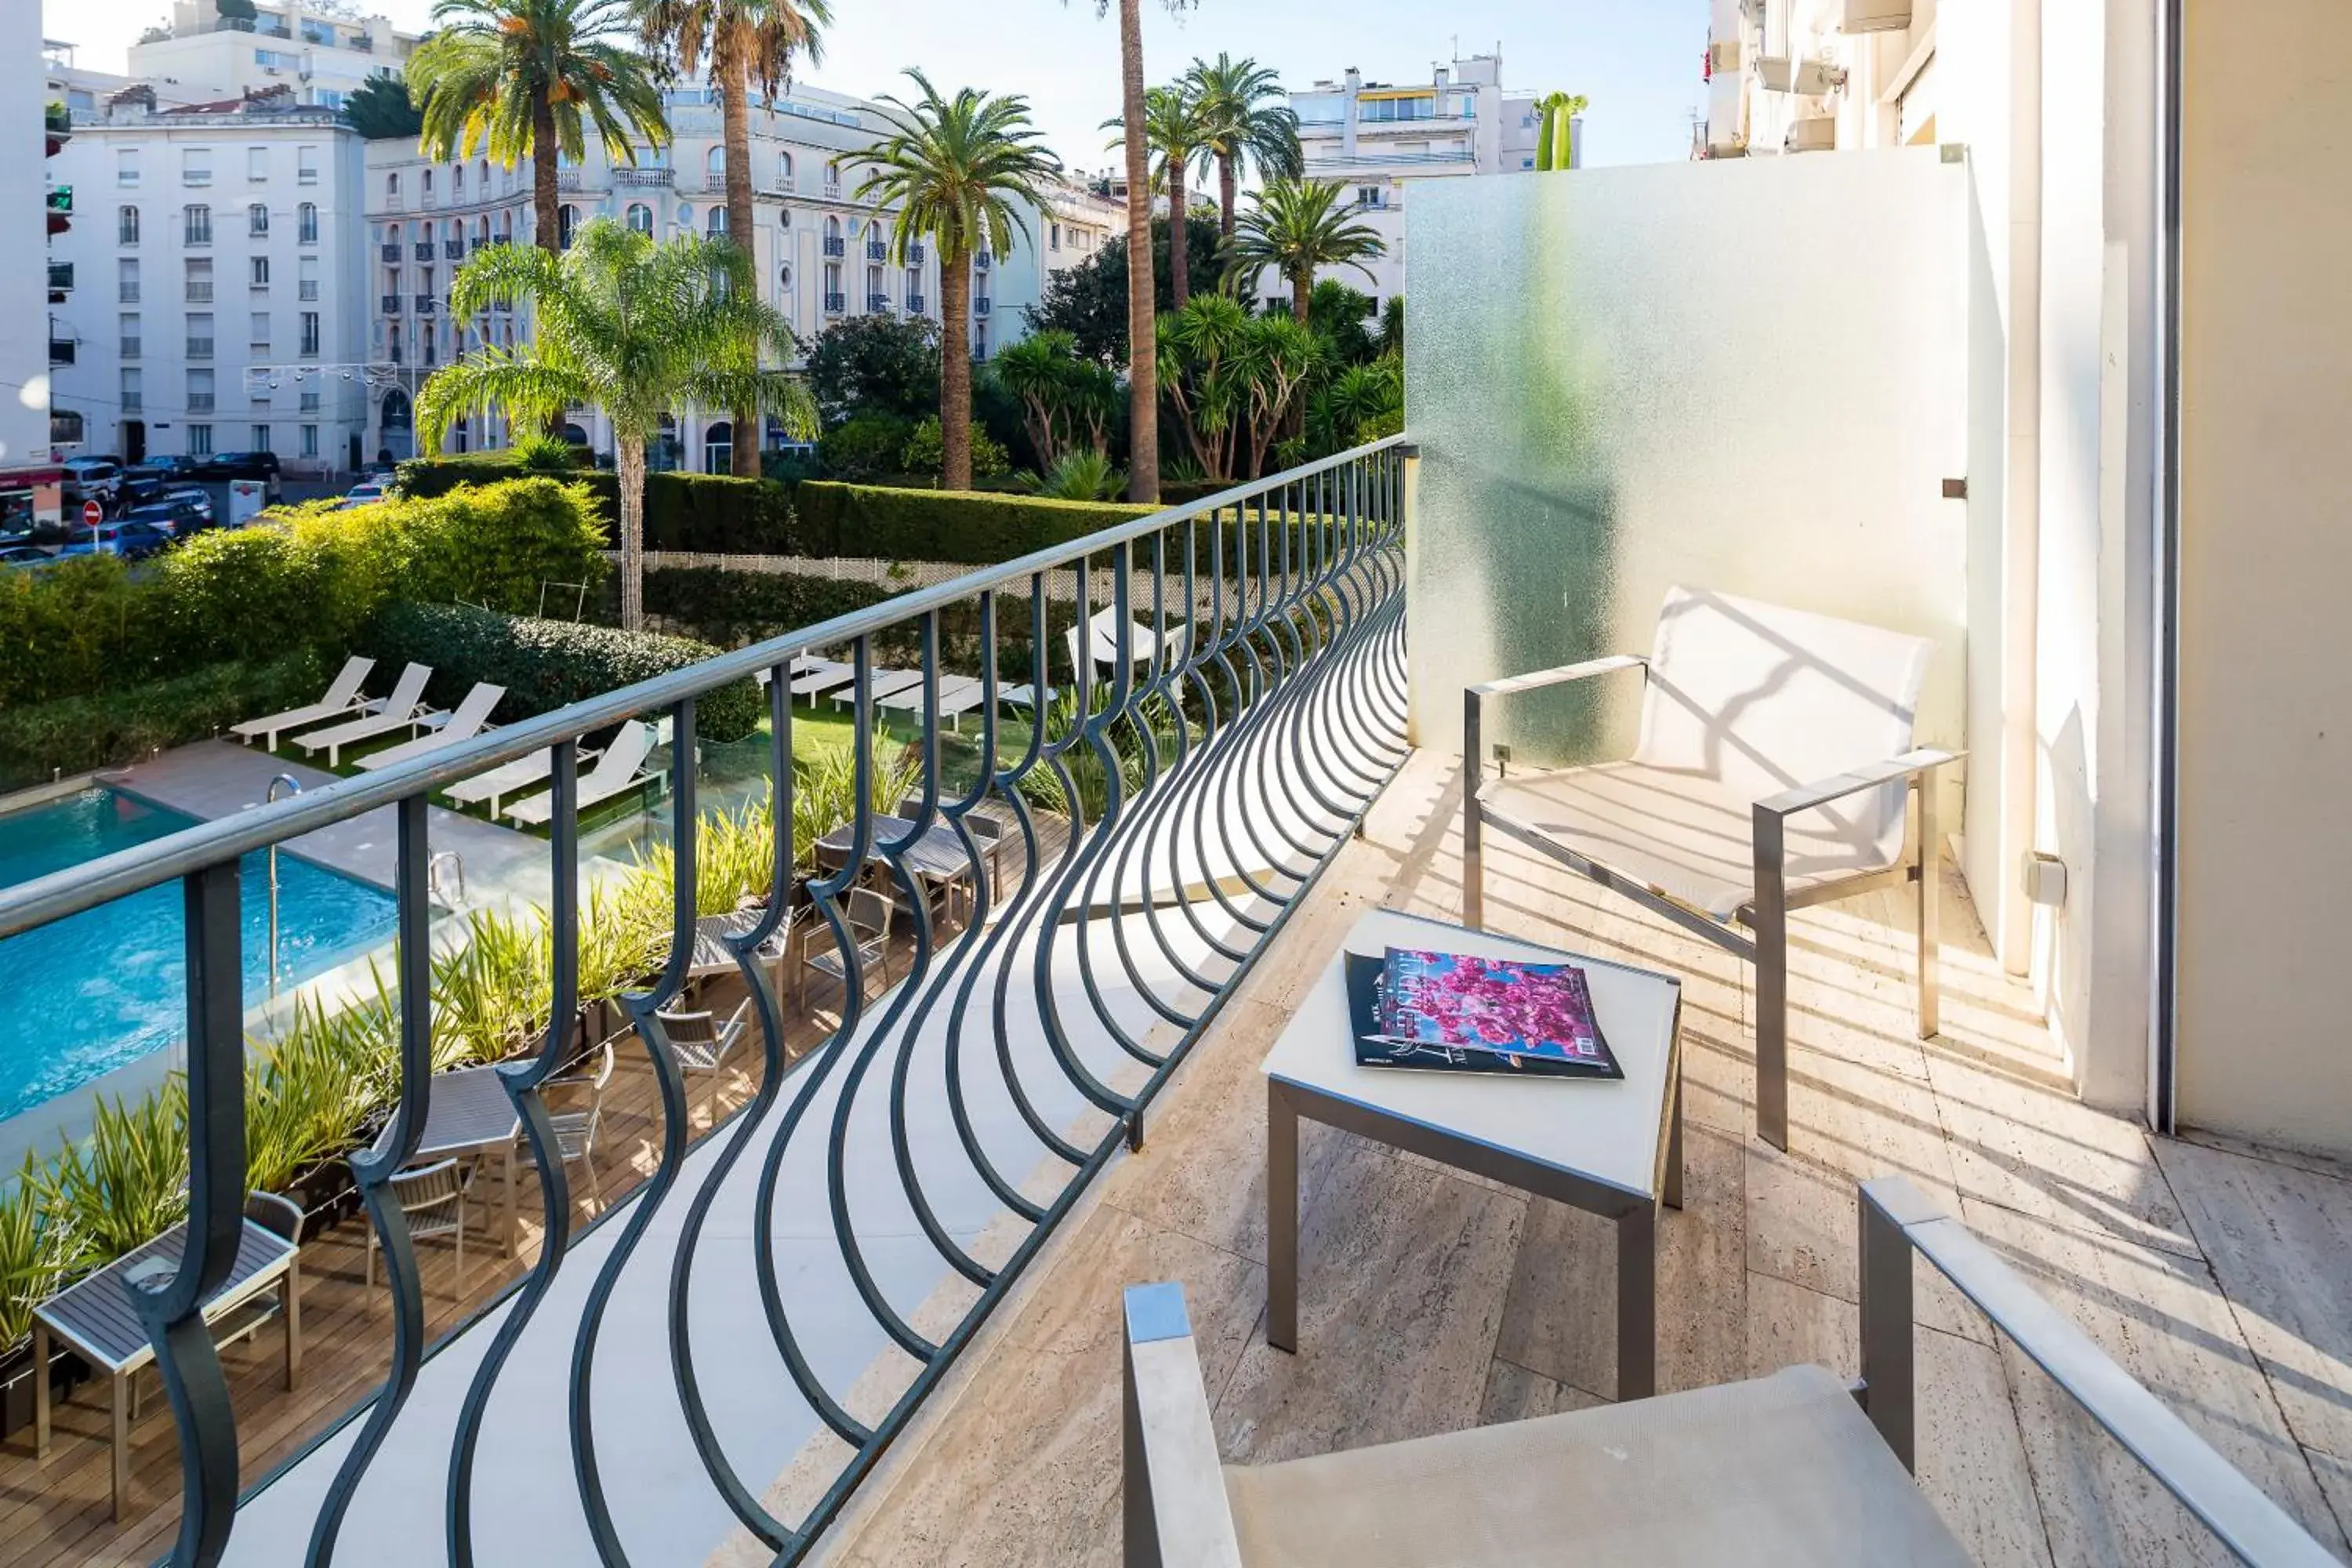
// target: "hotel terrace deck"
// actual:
[[1430, 1301]]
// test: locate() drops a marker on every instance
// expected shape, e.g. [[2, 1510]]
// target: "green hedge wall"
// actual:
[[546, 665], [978, 530], [77, 734], [311, 577], [731, 608], [715, 515]]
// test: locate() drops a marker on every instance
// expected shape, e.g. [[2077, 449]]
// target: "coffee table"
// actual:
[[1612, 1147]]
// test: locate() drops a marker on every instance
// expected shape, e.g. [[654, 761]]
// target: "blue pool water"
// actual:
[[89, 994]]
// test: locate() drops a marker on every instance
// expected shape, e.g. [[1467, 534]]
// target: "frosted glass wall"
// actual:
[[1747, 375]]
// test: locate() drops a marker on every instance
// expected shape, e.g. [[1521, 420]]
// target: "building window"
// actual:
[[310, 440], [307, 287], [126, 280], [126, 226], [199, 226], [257, 221], [306, 225], [641, 218], [259, 341], [425, 184], [260, 438], [199, 274], [685, 217], [200, 391], [718, 446], [200, 336], [567, 219], [311, 401], [391, 189], [714, 169], [310, 334], [200, 440], [718, 222], [785, 171], [306, 165], [130, 344], [260, 270], [134, 394], [256, 165], [457, 183], [126, 166], [1057, 237], [196, 167]]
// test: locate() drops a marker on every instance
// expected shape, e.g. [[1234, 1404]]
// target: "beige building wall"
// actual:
[[2264, 796]]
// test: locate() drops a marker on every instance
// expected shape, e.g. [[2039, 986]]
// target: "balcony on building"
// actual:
[[878, 304], [61, 281], [835, 245], [643, 177], [389, 253], [61, 349], [391, 304], [424, 249], [817, 1116], [915, 304], [455, 249]]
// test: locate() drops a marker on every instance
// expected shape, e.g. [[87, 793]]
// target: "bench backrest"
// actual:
[[1763, 698]]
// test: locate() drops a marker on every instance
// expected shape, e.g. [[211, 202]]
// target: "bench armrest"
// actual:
[[1804, 797], [1898, 1220], [1175, 1512], [1473, 698]]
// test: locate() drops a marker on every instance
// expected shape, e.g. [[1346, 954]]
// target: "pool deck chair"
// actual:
[[403, 709], [500, 782], [1775, 771], [621, 769], [1799, 1469], [341, 699], [881, 683], [1143, 642], [958, 695], [468, 720]]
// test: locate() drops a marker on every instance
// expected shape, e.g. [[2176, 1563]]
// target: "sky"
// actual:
[[1637, 60]]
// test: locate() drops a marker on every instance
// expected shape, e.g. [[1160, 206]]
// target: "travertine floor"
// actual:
[[1430, 1301]]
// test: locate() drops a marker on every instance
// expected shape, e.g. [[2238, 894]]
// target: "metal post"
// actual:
[[1770, 923], [1474, 849], [1888, 1391], [293, 786], [1931, 871]]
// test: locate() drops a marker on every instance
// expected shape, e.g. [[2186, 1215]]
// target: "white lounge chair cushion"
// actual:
[[1685, 836], [1782, 1469]]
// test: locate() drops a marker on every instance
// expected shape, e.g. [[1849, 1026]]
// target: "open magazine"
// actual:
[[1460, 1013]]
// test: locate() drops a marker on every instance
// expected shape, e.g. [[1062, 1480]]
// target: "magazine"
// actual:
[[1539, 1010], [1377, 1048]]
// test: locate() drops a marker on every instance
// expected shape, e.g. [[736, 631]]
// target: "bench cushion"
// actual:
[[1783, 1470], [1683, 834]]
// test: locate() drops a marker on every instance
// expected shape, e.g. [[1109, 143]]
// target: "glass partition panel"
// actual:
[[1745, 376]]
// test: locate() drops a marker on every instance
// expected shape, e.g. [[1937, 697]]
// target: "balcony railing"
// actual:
[[61, 351], [644, 177], [199, 402], [424, 248], [834, 304], [132, 349], [307, 289], [983, 306], [1233, 701], [61, 276], [200, 348], [425, 304], [878, 251], [878, 304], [390, 253], [835, 245], [915, 303], [453, 248], [199, 292], [126, 293], [391, 304]]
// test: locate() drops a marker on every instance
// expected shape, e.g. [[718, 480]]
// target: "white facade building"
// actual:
[[1817, 76], [318, 49], [1077, 221], [822, 253], [27, 177], [210, 241], [1377, 139]]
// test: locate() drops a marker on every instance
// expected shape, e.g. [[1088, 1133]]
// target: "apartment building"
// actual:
[[1377, 139], [216, 278], [320, 50], [30, 195], [1817, 75], [822, 252], [1079, 217]]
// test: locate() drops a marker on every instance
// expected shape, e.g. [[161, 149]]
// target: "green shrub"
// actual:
[[943, 525], [78, 734], [865, 445], [731, 608], [715, 515], [789, 468], [924, 456], [547, 664]]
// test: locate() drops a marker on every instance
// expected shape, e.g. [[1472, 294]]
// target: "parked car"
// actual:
[[145, 481], [132, 541], [92, 478], [364, 493], [25, 555], [262, 465], [194, 498], [175, 516]]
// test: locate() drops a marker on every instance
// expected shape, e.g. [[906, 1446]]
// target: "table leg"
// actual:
[[40, 1389], [121, 1446], [1673, 1192], [510, 1223], [293, 1315], [1281, 1221], [1637, 1303]]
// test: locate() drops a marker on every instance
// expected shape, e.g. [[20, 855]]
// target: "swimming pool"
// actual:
[[91, 993]]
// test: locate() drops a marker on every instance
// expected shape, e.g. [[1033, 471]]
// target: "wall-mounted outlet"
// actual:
[[1502, 759], [2045, 880]]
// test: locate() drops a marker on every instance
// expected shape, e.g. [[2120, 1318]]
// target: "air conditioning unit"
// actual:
[[1805, 78], [1818, 136], [1877, 15], [1775, 73]]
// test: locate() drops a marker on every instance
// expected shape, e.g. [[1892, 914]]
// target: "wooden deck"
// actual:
[[1430, 1301], [59, 1510]]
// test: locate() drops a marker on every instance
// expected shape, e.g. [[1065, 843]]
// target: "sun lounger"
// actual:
[[618, 771], [403, 709], [470, 719], [883, 683], [500, 782], [821, 676], [1026, 695], [1143, 642], [341, 699], [958, 695]]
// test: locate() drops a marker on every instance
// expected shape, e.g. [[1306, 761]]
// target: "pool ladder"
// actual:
[[293, 786]]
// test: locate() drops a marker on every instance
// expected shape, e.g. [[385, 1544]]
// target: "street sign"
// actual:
[[92, 514]]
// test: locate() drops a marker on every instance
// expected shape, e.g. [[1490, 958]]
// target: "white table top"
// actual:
[[1606, 1130]]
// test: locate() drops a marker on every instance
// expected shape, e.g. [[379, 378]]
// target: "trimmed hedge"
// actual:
[[78, 734], [716, 515], [309, 577], [732, 608], [547, 664], [956, 526]]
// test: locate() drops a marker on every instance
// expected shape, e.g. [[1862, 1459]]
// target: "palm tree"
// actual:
[[953, 167], [522, 78], [1177, 127], [1240, 125], [744, 41], [636, 328], [1297, 228]]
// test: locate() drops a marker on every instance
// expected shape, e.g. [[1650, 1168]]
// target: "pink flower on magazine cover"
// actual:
[[1471, 1003]]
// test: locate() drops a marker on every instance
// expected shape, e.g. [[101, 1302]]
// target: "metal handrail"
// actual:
[[95, 882]]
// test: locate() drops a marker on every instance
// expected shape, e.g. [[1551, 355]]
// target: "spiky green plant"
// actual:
[[1079, 474], [128, 1182], [34, 1254]]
